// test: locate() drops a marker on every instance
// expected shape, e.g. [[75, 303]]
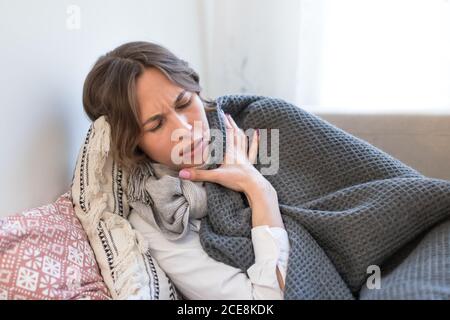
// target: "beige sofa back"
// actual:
[[420, 141]]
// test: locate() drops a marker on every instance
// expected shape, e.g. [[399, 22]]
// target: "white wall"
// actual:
[[43, 65], [252, 46], [337, 56], [296, 50]]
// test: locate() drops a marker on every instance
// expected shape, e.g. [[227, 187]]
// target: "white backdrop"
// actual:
[[43, 63], [337, 56], [375, 56], [327, 56]]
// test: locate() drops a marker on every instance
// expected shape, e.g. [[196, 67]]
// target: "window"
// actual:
[[370, 56]]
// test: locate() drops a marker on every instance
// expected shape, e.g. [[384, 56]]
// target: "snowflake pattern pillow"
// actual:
[[45, 254]]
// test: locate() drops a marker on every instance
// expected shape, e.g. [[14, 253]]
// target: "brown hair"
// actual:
[[110, 90]]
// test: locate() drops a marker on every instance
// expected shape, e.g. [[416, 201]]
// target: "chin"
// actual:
[[190, 165]]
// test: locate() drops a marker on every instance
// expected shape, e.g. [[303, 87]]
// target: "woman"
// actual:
[[148, 94]]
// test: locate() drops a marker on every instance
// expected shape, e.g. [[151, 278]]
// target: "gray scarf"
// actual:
[[164, 200]]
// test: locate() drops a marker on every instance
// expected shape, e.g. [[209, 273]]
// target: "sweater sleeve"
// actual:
[[198, 276]]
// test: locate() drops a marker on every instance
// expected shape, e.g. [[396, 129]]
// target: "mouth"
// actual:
[[192, 147]]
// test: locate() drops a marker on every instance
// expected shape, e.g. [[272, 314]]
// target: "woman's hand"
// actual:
[[237, 172]]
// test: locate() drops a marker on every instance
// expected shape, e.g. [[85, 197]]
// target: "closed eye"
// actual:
[[157, 126], [185, 104], [159, 122]]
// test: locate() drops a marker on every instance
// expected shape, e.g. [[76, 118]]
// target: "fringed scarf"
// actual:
[[164, 200]]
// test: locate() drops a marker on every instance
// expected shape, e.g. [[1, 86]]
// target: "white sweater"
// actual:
[[198, 276]]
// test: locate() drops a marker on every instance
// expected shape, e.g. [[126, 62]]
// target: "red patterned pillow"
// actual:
[[45, 254]]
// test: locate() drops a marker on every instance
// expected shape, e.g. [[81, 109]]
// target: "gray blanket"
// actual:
[[346, 204]]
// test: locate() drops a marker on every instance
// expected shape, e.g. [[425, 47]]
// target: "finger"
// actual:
[[229, 131], [229, 143], [243, 142], [239, 135], [253, 150], [227, 121], [246, 144], [199, 175], [234, 125]]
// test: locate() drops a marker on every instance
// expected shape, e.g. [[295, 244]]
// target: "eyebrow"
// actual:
[[156, 116]]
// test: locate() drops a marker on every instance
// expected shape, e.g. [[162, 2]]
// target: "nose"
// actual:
[[181, 122]]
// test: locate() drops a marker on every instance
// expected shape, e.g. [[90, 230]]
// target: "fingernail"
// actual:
[[184, 174]]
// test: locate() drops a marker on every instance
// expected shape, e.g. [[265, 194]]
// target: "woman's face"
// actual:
[[174, 123]]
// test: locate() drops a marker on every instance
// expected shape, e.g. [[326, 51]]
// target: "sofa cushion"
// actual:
[[45, 254]]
